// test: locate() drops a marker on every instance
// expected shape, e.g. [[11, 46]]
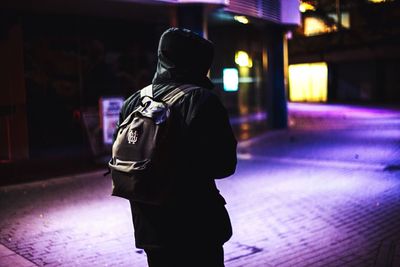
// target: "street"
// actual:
[[325, 192]]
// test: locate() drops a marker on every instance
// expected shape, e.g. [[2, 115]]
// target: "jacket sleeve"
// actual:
[[212, 142]]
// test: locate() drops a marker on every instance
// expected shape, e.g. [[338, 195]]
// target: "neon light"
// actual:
[[241, 19], [377, 1], [231, 79], [314, 26], [243, 59], [308, 82], [304, 6]]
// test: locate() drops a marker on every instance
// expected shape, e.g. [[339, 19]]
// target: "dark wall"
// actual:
[[70, 62], [365, 81]]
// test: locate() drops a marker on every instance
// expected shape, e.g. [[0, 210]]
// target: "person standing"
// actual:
[[190, 228]]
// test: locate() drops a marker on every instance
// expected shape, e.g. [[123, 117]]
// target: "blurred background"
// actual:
[[313, 94], [67, 66]]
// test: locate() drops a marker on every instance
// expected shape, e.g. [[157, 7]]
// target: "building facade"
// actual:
[[60, 59], [360, 51]]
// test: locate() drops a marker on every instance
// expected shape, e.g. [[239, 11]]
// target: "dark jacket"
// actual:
[[207, 149]]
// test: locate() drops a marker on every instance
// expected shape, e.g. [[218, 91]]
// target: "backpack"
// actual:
[[144, 148]]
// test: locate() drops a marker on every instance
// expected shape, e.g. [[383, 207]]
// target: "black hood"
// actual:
[[183, 57]]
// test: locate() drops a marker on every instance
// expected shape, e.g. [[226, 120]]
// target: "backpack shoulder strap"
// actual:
[[178, 92], [146, 91]]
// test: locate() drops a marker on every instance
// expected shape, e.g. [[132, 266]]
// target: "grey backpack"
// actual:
[[143, 150]]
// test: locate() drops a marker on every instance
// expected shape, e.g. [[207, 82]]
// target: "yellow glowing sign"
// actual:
[[377, 1], [303, 7], [241, 19], [243, 59], [308, 82], [314, 26]]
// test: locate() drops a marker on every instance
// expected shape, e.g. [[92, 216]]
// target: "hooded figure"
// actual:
[[191, 227], [184, 57]]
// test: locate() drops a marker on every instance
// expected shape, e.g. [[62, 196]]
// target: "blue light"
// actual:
[[231, 79]]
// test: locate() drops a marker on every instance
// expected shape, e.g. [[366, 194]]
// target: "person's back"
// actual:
[[190, 228]]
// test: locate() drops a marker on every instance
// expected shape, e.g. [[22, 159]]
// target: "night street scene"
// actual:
[[312, 91]]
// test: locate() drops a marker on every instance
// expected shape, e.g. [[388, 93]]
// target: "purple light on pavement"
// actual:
[[302, 208], [341, 110], [310, 200], [321, 187], [385, 134]]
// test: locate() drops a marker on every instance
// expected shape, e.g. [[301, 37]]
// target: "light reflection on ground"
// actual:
[[296, 210], [344, 110]]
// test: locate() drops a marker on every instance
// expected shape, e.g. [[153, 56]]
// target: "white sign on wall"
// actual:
[[109, 115]]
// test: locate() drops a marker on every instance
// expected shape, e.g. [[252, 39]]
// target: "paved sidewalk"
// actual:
[[324, 193], [10, 258]]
